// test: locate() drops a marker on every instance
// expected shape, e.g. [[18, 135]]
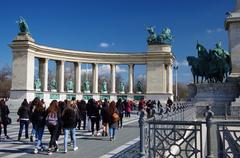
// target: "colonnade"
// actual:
[[43, 75], [158, 60]]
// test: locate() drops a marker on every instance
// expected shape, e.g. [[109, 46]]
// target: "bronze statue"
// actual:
[[23, 26], [164, 38], [213, 65]]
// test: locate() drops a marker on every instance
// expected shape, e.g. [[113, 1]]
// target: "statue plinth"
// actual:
[[139, 92], [70, 91], [86, 91], [122, 92], [53, 90], [104, 92], [159, 48], [24, 37], [38, 90]]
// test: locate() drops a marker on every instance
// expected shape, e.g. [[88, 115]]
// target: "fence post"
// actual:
[[209, 114], [141, 122]]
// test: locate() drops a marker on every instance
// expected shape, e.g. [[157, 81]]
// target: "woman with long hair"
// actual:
[[52, 122], [113, 123], [38, 121]]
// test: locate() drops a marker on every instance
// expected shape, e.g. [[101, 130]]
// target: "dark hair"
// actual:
[[53, 107], [112, 107]]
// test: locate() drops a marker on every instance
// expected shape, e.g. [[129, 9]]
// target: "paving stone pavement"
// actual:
[[89, 147]]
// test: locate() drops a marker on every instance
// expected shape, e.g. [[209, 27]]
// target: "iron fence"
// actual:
[[177, 134]]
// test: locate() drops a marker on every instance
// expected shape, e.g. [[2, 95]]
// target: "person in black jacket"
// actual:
[[93, 113], [105, 117], [83, 113], [23, 113], [4, 111], [120, 107], [69, 119], [38, 121]]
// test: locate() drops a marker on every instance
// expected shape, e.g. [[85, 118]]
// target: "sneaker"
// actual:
[[76, 148], [50, 152], [65, 151], [56, 149], [7, 137], [35, 151]]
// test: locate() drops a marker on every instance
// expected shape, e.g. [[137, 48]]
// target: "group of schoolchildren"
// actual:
[[65, 117]]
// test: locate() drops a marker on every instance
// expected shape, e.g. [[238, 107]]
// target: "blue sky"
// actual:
[[109, 25]]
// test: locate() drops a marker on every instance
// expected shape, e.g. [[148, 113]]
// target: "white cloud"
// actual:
[[216, 30], [104, 45], [181, 63], [141, 76], [120, 70], [104, 69]]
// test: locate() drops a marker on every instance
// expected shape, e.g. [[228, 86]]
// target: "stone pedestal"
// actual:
[[157, 69], [218, 95], [232, 25]]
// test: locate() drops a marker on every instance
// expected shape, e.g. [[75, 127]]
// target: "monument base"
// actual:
[[218, 95]]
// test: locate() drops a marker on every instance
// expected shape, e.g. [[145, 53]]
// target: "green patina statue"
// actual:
[[164, 38], [213, 65], [121, 87], [139, 87], [23, 26], [37, 84], [86, 86], [53, 84], [104, 87], [70, 85]]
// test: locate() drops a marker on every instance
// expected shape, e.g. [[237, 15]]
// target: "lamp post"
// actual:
[[176, 91]]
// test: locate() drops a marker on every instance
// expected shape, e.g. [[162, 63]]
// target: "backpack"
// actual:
[[115, 117], [52, 119]]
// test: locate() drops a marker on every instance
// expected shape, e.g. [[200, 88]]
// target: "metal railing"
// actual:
[[178, 134]]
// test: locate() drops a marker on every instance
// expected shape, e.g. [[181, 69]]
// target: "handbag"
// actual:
[[115, 117], [9, 120]]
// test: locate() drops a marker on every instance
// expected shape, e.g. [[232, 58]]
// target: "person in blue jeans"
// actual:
[[39, 121], [113, 124], [24, 113], [69, 120]]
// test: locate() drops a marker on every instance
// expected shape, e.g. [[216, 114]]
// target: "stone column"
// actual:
[[95, 78], [130, 77], [43, 71], [77, 77], [169, 78], [113, 78], [60, 70], [165, 78]]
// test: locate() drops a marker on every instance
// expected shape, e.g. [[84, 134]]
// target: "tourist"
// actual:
[[52, 122], [120, 107], [24, 114], [105, 117], [61, 106], [4, 119], [38, 121], [93, 113], [141, 105], [169, 103], [69, 120], [113, 120], [83, 113], [32, 108], [128, 108]]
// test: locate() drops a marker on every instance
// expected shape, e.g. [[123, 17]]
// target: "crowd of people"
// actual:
[[65, 117]]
